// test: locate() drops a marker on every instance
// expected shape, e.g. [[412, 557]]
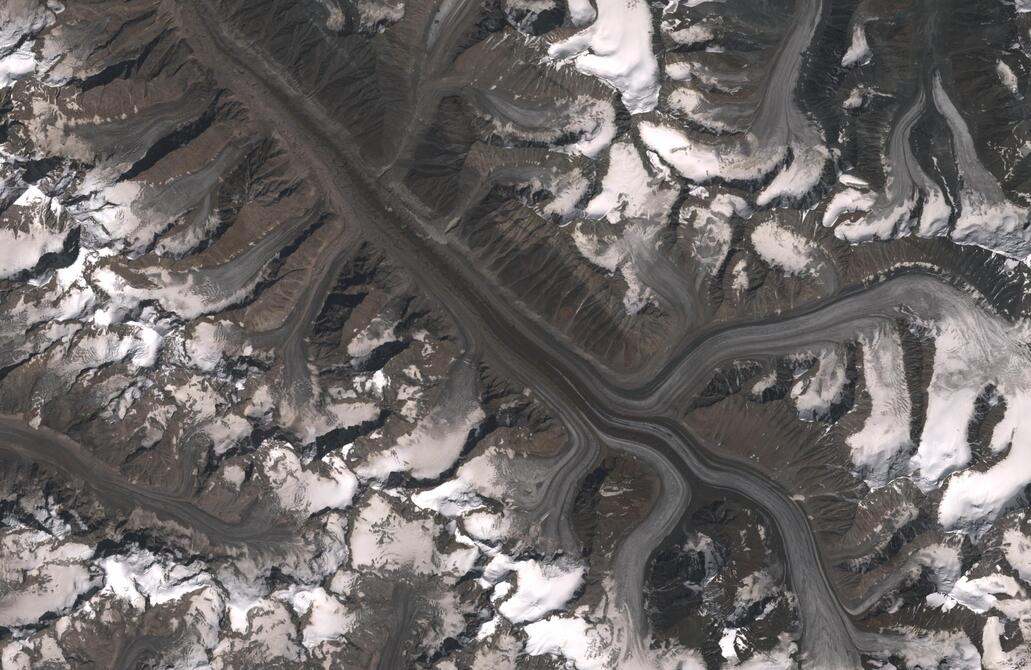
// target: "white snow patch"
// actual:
[[325, 617], [856, 98], [188, 294], [22, 247], [782, 656], [306, 491], [858, 51], [986, 217], [570, 638], [603, 639], [479, 476], [376, 14], [847, 201], [617, 48], [934, 219], [1007, 77], [313, 421], [799, 178], [979, 594], [692, 105], [784, 249], [377, 333], [755, 588], [728, 644], [384, 539], [430, 448], [540, 588], [974, 350], [693, 34], [234, 475], [17, 65], [204, 349], [936, 649], [739, 273], [742, 157], [40, 574], [612, 253], [567, 189], [693, 160], [815, 395], [143, 579], [581, 12], [884, 437], [711, 231], [1017, 548], [628, 190], [994, 658], [271, 630]]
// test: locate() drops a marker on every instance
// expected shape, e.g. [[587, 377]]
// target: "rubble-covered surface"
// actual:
[[515, 334]]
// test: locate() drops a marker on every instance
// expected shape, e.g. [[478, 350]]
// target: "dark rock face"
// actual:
[[514, 334]]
